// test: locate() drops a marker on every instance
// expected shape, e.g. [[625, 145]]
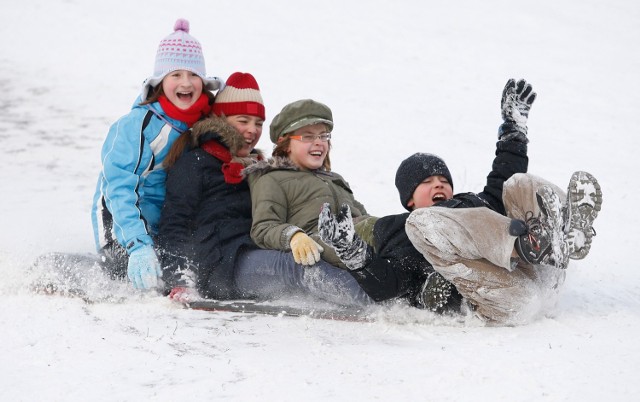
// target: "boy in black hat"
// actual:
[[394, 267]]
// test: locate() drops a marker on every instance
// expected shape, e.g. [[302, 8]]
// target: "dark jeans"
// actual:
[[271, 274]]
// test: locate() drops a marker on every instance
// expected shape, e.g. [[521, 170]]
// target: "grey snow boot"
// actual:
[[584, 201], [541, 239]]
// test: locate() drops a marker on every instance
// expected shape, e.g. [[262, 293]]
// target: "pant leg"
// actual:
[[454, 235], [457, 235], [519, 194], [471, 249], [271, 274], [497, 295]]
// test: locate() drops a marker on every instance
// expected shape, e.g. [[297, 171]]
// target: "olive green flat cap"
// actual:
[[305, 112]]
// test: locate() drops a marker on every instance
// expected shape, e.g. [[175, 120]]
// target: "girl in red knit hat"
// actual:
[[288, 190], [206, 220], [207, 213]]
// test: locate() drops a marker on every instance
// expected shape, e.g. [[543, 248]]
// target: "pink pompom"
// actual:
[[181, 25]]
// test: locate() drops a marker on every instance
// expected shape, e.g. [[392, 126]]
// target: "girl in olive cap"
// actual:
[[206, 219], [288, 191]]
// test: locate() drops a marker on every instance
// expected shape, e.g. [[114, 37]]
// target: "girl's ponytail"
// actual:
[[180, 146]]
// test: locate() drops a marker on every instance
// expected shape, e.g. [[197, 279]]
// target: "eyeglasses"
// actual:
[[324, 137]]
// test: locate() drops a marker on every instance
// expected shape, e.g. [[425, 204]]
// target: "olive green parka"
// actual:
[[286, 200]]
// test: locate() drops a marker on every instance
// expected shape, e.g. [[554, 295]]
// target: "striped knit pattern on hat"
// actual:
[[241, 95], [179, 51]]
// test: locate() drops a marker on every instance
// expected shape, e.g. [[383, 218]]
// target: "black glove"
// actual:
[[516, 102], [338, 232]]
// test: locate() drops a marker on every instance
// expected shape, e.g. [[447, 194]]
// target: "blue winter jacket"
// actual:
[[131, 185]]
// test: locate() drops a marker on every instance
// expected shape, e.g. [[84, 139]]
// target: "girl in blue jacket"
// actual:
[[131, 185]]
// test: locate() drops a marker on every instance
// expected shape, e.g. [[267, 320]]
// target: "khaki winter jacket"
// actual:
[[286, 200]]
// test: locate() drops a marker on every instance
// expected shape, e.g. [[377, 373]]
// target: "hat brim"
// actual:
[[306, 121], [210, 83]]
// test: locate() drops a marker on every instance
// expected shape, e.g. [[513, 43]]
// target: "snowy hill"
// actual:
[[401, 76]]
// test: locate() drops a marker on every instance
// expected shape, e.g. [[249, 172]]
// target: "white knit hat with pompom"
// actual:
[[179, 51]]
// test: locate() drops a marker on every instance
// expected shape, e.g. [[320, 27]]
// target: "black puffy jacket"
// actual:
[[206, 220]]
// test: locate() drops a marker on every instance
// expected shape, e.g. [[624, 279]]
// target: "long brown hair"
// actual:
[[181, 143], [282, 149], [179, 146], [153, 95]]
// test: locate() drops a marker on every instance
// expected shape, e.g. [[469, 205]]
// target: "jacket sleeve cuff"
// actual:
[[137, 243], [286, 236]]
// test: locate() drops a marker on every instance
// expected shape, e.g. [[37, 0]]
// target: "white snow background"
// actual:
[[400, 77]]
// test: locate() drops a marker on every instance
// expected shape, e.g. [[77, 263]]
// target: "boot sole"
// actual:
[[584, 201], [551, 206]]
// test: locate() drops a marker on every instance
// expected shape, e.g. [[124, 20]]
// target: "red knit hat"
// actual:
[[240, 96]]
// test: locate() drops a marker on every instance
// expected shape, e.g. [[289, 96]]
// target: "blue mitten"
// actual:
[[144, 268]]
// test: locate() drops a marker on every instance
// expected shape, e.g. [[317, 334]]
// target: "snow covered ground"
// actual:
[[401, 76]]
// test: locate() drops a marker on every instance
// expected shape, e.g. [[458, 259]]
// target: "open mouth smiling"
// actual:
[[185, 96], [439, 197]]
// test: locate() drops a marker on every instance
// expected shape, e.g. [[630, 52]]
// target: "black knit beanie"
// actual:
[[414, 170]]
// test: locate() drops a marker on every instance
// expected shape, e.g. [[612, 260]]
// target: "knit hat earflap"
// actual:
[[179, 51], [241, 95], [414, 170]]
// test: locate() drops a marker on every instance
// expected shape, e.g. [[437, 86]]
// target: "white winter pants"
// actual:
[[472, 249]]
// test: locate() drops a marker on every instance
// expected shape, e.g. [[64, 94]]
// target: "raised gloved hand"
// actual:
[[144, 268], [305, 250], [338, 231], [516, 102]]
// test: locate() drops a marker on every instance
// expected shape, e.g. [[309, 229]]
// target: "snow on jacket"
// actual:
[[131, 185], [287, 200], [205, 220]]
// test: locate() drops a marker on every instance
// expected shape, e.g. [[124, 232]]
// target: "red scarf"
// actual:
[[232, 171], [190, 116]]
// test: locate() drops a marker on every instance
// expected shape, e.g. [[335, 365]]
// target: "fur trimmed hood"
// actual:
[[217, 128], [276, 163]]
